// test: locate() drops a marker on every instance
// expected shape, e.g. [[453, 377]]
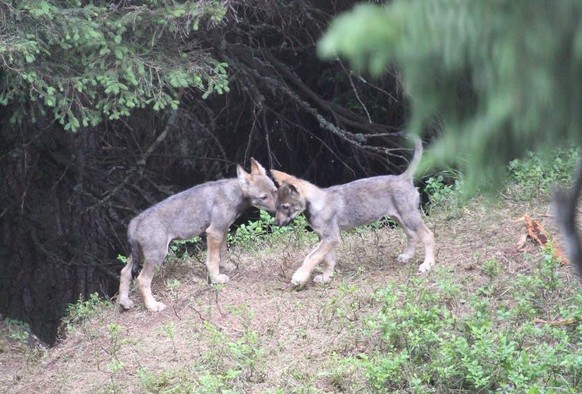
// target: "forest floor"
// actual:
[[256, 334]]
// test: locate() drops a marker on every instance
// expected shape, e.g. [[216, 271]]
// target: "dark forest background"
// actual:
[[68, 190]]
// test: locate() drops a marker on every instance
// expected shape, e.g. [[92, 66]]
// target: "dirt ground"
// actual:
[[285, 338]]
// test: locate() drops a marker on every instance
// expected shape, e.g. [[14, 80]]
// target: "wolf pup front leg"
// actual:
[[210, 207]]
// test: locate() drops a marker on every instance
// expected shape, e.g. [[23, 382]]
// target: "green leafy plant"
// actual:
[[169, 330], [535, 175], [444, 189], [82, 310], [173, 285], [180, 247], [428, 346], [228, 360], [115, 342], [81, 63], [264, 228], [17, 330], [492, 267], [168, 381]]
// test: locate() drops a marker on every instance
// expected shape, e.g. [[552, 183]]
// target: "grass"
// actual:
[[488, 318]]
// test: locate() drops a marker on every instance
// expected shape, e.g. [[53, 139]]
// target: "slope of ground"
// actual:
[[255, 334]]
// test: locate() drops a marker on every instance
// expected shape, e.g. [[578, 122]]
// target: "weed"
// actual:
[[492, 267], [146, 378], [169, 330], [232, 361], [444, 189], [122, 259], [535, 175], [182, 248], [264, 229], [427, 346], [82, 310], [168, 381], [115, 342], [173, 285], [17, 330]]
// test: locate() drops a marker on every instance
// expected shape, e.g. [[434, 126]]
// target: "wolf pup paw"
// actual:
[[403, 258], [219, 279], [322, 278], [126, 304], [299, 278], [156, 307]]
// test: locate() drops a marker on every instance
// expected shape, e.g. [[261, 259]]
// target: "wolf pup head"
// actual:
[[290, 202], [258, 187]]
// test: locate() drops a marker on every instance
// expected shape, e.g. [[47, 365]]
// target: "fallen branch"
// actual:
[[537, 233], [561, 322]]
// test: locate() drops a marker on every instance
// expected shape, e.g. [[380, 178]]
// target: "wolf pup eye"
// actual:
[[263, 197]]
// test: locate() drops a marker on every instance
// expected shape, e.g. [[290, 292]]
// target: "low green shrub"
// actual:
[[444, 189], [264, 229], [493, 343], [535, 175], [82, 310]]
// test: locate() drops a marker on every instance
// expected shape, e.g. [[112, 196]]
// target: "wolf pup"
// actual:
[[352, 204], [210, 207]]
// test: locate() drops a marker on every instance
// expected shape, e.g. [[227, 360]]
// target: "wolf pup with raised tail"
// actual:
[[352, 204], [210, 207]]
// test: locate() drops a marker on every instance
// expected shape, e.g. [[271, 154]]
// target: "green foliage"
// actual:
[[219, 370], [492, 267], [444, 189], [502, 77], [169, 330], [115, 342], [81, 63], [83, 310], [168, 381], [535, 175], [180, 247], [428, 345], [17, 330], [257, 230]]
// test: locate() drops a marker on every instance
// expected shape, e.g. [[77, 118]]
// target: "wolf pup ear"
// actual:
[[281, 177], [289, 188], [243, 176], [256, 168]]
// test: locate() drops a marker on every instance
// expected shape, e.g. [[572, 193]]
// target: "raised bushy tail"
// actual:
[[415, 158]]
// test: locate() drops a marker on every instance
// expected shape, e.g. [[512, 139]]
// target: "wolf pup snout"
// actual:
[[289, 204]]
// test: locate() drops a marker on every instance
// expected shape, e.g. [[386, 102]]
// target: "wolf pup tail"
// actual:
[[135, 258], [415, 158]]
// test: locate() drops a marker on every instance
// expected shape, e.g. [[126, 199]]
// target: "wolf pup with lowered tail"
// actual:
[[210, 207], [352, 204]]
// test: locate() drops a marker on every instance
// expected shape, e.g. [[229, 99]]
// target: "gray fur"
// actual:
[[342, 207], [211, 207]]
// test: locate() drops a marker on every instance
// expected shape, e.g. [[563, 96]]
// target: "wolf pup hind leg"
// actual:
[[210, 207]]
